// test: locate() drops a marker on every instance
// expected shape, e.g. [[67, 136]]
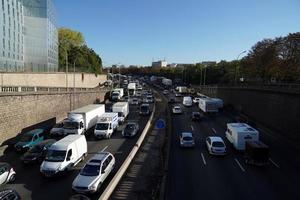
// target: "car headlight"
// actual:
[[92, 187]]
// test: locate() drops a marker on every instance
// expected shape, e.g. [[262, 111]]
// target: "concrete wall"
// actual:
[[51, 79], [20, 111], [279, 111]]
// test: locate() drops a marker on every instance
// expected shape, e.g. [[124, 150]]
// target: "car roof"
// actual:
[[98, 158], [215, 139], [177, 107], [186, 134], [34, 131]]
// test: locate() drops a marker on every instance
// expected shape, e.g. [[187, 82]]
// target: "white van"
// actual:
[[64, 154], [239, 133], [187, 101], [106, 125]]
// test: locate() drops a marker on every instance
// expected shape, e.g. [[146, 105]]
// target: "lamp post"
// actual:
[[236, 67]]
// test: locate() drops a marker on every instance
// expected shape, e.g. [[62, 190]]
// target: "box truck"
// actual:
[[239, 133], [106, 125], [131, 88], [117, 94], [64, 154], [82, 119], [182, 89], [122, 108], [207, 105]]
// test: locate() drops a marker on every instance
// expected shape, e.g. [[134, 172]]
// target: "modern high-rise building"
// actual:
[[29, 38]]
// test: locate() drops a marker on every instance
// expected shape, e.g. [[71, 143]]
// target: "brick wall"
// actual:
[[20, 111]]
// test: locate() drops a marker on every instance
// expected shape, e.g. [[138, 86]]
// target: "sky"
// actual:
[[134, 32]]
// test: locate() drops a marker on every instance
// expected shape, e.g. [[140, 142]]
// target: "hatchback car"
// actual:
[[134, 101], [186, 139], [7, 173], [196, 116], [9, 194], [94, 173], [176, 110], [131, 129], [215, 145], [37, 153], [28, 139]]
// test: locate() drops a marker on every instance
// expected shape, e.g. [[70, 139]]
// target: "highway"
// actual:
[[194, 174], [30, 184]]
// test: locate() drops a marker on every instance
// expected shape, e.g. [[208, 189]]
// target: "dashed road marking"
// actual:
[[192, 127], [214, 130], [239, 164], [104, 148], [274, 163], [203, 159]]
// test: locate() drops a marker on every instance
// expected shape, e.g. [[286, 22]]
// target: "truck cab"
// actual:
[[106, 125], [74, 124]]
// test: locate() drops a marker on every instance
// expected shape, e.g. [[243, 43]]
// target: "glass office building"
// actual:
[[32, 45]]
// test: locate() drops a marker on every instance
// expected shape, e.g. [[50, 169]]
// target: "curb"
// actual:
[[116, 179]]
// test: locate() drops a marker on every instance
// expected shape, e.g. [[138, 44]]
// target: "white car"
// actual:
[[165, 92], [215, 145], [187, 139], [176, 110], [94, 173], [7, 173], [196, 100], [134, 101]]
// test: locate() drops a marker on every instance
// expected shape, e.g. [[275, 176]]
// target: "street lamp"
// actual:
[[236, 67]]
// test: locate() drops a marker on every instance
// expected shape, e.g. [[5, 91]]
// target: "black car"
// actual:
[[9, 194], [131, 129], [145, 109], [196, 116], [37, 153], [171, 100]]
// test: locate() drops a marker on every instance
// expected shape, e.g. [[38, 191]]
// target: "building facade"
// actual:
[[159, 63], [29, 38]]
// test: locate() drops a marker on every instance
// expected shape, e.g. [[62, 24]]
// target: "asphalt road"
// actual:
[[194, 174], [30, 184]]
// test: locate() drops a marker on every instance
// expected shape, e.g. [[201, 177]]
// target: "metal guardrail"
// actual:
[[116, 179]]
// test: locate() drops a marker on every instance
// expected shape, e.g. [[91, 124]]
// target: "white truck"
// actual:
[[106, 125], [64, 154], [239, 133], [131, 89], [207, 105], [182, 89], [167, 82], [82, 119], [122, 108], [117, 94]]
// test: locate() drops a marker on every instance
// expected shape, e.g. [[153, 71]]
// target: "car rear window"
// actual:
[[218, 144], [187, 138]]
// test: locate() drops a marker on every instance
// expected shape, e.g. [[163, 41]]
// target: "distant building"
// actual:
[[208, 63], [28, 36], [159, 63]]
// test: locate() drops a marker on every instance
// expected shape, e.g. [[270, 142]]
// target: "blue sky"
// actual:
[[181, 31]]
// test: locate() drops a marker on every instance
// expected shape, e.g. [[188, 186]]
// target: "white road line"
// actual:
[[104, 148], [203, 159], [214, 130], [192, 127], [275, 164], [239, 164]]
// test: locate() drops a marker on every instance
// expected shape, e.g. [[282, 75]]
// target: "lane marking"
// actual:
[[119, 152], [275, 164], [239, 164], [192, 127], [203, 159], [104, 148], [214, 130]]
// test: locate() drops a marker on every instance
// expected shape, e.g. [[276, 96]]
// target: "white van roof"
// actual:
[[65, 142], [241, 127], [87, 108]]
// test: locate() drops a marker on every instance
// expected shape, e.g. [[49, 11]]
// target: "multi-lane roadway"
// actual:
[[194, 174], [30, 184]]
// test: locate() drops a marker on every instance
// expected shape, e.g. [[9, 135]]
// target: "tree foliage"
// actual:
[[73, 44]]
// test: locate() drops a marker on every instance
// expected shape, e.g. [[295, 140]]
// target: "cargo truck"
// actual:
[[131, 88], [122, 108], [82, 119], [207, 105]]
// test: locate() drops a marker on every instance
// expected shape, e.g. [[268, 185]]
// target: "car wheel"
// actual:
[[12, 178], [98, 187]]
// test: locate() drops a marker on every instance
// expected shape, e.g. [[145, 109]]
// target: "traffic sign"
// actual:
[[160, 124]]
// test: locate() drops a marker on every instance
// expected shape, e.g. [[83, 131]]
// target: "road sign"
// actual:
[[160, 124]]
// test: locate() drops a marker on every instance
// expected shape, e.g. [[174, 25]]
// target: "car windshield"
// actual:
[[187, 138], [218, 144], [36, 149], [71, 125], [25, 138], [101, 126], [55, 156], [120, 114], [90, 170]]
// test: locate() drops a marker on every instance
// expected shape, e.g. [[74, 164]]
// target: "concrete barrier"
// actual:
[[116, 179]]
